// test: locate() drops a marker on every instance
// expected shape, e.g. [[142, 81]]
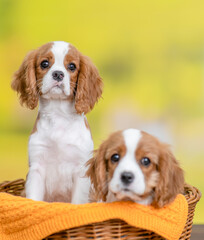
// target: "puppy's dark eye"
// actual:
[[115, 158], [44, 64], [145, 161], [71, 67]]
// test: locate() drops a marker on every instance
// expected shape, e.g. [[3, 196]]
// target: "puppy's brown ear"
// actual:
[[171, 181], [98, 173], [24, 81], [89, 86]]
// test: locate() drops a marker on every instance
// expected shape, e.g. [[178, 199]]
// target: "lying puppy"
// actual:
[[133, 165], [67, 86]]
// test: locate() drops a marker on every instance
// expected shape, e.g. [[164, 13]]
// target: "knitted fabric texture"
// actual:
[[25, 219]]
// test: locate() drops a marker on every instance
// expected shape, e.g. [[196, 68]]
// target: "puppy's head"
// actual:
[[57, 70], [134, 165]]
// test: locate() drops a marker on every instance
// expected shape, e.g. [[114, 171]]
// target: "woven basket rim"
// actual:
[[191, 193], [195, 197]]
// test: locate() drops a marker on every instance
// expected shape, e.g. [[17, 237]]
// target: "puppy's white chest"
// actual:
[[62, 139], [59, 149]]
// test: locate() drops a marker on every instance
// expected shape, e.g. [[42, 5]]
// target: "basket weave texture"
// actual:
[[115, 228]]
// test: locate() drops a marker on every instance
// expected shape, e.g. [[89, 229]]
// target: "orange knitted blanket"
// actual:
[[25, 219]]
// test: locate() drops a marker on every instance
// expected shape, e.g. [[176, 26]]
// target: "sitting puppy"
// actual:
[[67, 85], [133, 165]]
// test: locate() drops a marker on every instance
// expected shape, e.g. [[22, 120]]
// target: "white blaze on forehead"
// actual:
[[60, 49], [131, 138], [49, 89], [129, 164]]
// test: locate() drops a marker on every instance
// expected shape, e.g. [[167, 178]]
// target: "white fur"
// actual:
[[50, 87], [58, 151], [62, 144], [128, 164]]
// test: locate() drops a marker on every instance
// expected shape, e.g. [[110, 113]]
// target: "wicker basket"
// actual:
[[115, 228]]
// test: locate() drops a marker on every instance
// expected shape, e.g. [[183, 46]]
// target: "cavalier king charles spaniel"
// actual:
[[133, 165], [67, 85]]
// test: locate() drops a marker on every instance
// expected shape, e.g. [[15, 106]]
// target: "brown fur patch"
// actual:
[[43, 53], [171, 178], [89, 86], [149, 147], [25, 80], [73, 56], [100, 167], [85, 84], [86, 123], [116, 145], [87, 126], [163, 177], [35, 124]]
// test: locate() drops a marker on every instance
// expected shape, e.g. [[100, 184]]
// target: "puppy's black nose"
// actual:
[[127, 177], [58, 75]]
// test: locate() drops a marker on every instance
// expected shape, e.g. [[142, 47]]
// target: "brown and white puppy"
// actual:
[[67, 85], [133, 165]]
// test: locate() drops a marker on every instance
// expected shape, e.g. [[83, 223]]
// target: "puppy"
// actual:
[[133, 165], [67, 85]]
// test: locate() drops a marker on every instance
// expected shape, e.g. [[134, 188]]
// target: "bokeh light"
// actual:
[[150, 55]]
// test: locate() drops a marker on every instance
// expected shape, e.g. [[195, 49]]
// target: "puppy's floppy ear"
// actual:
[[97, 171], [89, 86], [24, 81], [171, 181]]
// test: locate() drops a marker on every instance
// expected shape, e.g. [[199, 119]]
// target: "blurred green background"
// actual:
[[150, 55]]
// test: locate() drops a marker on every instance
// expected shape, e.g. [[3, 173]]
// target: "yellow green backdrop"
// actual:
[[150, 55]]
